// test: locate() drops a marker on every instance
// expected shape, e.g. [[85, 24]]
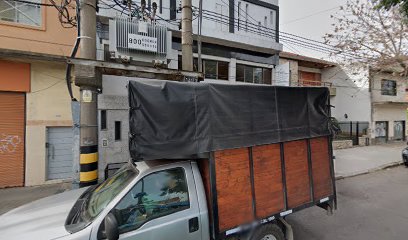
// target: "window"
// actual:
[[266, 21], [258, 75], [222, 71], [273, 19], [18, 12], [240, 73], [103, 119], [210, 69], [267, 76], [251, 74], [161, 6], [180, 63], [388, 87], [215, 69], [117, 130], [94, 200], [156, 195]]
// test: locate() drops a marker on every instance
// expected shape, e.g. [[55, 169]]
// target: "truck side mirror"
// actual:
[[111, 227]]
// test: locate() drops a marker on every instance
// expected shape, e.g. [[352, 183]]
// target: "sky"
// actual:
[[307, 18]]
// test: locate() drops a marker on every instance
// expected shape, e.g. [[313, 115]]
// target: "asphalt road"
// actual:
[[370, 207]]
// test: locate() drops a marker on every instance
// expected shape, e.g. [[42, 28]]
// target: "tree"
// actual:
[[388, 4], [366, 35]]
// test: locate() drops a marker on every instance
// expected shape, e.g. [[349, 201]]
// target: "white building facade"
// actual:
[[240, 39]]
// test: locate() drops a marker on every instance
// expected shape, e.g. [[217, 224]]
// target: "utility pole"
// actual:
[[89, 82], [187, 35]]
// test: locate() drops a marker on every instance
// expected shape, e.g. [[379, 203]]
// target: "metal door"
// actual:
[[59, 152], [12, 121], [381, 131], [399, 130]]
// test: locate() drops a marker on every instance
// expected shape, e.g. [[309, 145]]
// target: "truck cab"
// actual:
[[164, 200], [147, 200]]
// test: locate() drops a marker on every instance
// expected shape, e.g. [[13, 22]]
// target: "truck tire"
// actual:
[[268, 232]]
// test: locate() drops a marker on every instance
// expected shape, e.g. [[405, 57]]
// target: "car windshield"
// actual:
[[96, 198]]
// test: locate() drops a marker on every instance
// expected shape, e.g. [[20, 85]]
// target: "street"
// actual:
[[372, 206]]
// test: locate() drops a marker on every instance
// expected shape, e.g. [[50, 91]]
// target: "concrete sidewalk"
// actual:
[[361, 160]]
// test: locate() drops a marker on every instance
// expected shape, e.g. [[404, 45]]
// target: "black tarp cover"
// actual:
[[172, 119]]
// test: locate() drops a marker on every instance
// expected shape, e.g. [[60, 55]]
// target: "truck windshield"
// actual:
[[96, 198]]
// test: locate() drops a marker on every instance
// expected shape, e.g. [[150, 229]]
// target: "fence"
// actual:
[[352, 131]]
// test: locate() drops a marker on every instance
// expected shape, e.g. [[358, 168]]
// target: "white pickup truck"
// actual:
[[153, 200], [235, 167]]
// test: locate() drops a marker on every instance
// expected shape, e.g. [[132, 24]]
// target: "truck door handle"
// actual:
[[193, 224]]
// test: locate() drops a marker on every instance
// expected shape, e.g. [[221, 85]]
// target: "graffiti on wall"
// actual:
[[9, 143]]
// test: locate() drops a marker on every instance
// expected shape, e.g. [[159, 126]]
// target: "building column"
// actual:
[[232, 71]]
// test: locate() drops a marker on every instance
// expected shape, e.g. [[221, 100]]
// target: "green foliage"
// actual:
[[388, 4]]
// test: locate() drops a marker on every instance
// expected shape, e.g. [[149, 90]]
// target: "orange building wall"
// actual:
[[14, 77], [51, 38]]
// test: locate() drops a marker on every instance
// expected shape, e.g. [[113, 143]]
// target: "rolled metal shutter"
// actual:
[[12, 139]]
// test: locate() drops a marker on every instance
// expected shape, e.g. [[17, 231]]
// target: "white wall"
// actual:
[[213, 29], [376, 79], [350, 99], [256, 14], [389, 113]]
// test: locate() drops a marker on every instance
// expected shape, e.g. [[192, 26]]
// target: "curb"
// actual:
[[382, 167]]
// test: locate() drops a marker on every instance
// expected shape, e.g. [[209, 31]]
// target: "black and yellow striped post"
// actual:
[[88, 160]]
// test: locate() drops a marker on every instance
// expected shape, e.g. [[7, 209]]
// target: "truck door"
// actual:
[[161, 206]]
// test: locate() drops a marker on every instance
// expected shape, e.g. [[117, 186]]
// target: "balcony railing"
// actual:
[[311, 83]]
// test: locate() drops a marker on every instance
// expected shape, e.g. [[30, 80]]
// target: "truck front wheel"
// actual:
[[268, 232]]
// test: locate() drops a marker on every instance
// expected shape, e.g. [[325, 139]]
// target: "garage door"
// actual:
[[12, 121], [59, 151]]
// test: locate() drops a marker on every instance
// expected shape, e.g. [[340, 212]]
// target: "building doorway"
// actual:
[[399, 130], [60, 141], [381, 131]]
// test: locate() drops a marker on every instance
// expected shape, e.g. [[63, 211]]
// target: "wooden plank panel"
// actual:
[[297, 173], [268, 180], [321, 167], [233, 188]]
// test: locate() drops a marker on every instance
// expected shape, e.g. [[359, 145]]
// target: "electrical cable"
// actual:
[[281, 33], [310, 15], [74, 51], [32, 3]]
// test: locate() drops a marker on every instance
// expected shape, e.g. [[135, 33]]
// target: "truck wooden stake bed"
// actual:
[[209, 161]]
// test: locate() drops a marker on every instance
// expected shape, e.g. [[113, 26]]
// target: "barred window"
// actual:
[[388, 87], [19, 12]]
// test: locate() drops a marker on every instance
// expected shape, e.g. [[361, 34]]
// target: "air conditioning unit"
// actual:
[[132, 39]]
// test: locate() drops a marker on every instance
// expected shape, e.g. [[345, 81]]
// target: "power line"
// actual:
[[260, 30], [33, 3], [290, 35], [310, 15]]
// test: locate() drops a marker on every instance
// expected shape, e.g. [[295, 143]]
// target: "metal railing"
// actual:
[[310, 83], [352, 131]]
